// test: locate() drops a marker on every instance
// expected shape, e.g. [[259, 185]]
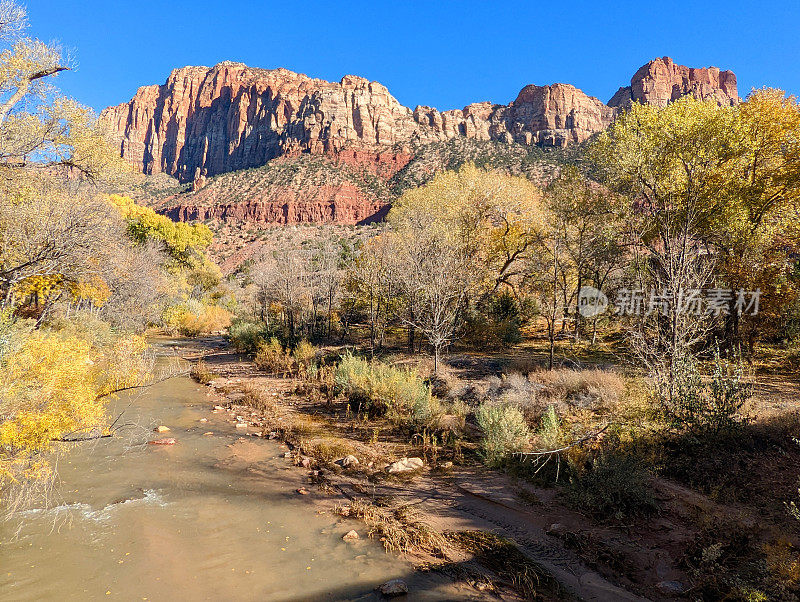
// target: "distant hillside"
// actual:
[[300, 189]]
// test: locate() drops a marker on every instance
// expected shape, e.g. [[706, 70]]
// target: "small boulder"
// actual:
[[203, 420], [557, 529], [162, 429], [208, 433], [302, 491], [165, 441], [241, 425], [351, 535], [405, 465], [305, 462], [349, 461], [394, 588]]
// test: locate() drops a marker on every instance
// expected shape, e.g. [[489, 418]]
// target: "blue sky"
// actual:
[[443, 54]]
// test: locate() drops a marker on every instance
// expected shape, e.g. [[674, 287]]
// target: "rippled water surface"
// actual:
[[207, 519]]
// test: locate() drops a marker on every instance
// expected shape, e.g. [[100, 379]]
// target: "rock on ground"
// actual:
[[394, 588], [405, 465]]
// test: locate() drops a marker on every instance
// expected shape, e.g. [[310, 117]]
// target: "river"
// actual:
[[214, 517]]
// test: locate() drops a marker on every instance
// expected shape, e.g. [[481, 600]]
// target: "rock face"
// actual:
[[661, 81], [288, 190], [541, 115], [204, 122]]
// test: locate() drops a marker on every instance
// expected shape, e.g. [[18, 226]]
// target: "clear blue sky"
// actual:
[[439, 53]]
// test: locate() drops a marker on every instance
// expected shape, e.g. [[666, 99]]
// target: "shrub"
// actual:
[[504, 431], [271, 357], [381, 389], [304, 355], [245, 336], [690, 404], [616, 486], [258, 399], [550, 435], [55, 384], [195, 318]]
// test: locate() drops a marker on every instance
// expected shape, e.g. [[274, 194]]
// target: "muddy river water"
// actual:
[[192, 521]]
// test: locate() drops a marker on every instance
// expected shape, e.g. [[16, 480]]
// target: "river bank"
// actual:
[[445, 498], [212, 517]]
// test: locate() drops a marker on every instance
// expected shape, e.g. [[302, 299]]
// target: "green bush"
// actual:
[[690, 404], [550, 435], [380, 389], [616, 486], [246, 336], [505, 431]]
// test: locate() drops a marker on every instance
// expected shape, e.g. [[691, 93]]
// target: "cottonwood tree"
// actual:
[[755, 234], [328, 270], [437, 281], [283, 278], [586, 222], [495, 218], [60, 244], [460, 238], [372, 285], [47, 234], [670, 163], [711, 187], [39, 127]]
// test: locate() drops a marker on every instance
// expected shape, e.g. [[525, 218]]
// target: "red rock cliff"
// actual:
[[661, 81], [203, 122]]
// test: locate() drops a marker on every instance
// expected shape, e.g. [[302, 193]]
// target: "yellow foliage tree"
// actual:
[[54, 385], [184, 242]]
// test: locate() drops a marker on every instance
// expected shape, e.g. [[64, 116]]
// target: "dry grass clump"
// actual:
[[400, 529], [202, 373], [328, 449], [569, 391], [258, 399], [296, 427]]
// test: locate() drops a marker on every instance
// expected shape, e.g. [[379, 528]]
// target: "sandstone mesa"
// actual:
[[204, 122]]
